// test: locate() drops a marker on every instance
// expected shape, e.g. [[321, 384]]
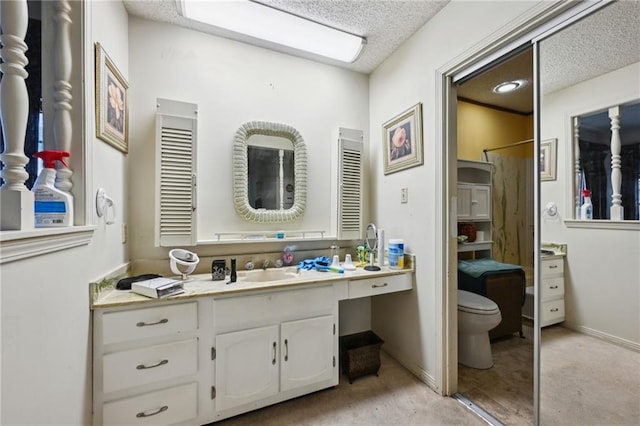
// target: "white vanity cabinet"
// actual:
[[552, 307], [273, 346], [474, 202], [145, 365], [366, 287], [217, 351]]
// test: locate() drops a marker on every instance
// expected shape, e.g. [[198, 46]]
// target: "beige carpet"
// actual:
[[587, 381], [395, 397], [584, 381], [506, 390]]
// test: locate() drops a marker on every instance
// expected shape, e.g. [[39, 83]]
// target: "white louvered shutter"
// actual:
[[350, 182], [176, 135]]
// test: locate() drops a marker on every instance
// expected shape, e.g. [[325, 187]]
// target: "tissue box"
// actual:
[[158, 288]]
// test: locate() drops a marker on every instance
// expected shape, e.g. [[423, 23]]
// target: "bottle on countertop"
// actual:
[[234, 275], [586, 210]]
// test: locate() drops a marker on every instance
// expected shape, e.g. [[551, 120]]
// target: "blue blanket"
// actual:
[[477, 267]]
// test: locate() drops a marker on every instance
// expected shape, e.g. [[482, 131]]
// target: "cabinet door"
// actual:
[[481, 202], [246, 366], [465, 193], [308, 352]]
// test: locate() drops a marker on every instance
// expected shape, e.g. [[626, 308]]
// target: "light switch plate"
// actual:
[[404, 195]]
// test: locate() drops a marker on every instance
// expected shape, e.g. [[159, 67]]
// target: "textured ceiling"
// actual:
[[602, 42], [384, 23]]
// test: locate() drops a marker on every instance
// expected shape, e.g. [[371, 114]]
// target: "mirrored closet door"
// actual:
[[590, 278]]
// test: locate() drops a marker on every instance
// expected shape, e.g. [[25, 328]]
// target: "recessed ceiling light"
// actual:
[[270, 24], [507, 86]]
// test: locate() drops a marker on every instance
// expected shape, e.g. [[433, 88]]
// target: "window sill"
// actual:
[[16, 245], [625, 225]]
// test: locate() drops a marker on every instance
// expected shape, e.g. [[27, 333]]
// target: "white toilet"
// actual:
[[476, 316]]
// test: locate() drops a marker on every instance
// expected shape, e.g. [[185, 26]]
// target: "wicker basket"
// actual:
[[468, 229], [360, 354]]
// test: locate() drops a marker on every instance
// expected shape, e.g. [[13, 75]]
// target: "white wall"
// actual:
[[603, 269], [46, 328], [233, 83], [407, 322]]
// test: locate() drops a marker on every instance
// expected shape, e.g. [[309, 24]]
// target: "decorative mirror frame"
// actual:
[[241, 172]]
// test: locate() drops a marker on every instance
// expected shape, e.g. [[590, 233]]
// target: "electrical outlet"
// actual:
[[404, 195]]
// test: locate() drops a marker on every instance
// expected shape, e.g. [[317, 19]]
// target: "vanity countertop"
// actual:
[[105, 295], [553, 250]]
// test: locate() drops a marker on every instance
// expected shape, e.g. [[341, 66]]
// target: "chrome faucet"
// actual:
[[265, 264], [248, 266]]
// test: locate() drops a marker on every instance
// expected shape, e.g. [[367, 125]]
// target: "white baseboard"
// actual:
[[628, 344], [415, 369]]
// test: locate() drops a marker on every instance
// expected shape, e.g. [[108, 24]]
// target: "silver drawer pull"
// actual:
[[158, 411], [286, 350], [553, 266], [378, 286], [146, 367], [555, 310], [553, 287], [144, 324]]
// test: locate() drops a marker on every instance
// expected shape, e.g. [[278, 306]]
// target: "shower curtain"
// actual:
[[512, 209]]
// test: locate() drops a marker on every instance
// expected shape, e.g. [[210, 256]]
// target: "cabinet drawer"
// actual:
[[163, 407], [551, 267], [552, 312], [552, 287], [150, 364], [242, 312], [380, 285], [138, 324]]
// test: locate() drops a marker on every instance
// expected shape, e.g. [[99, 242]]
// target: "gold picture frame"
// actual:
[[112, 102], [548, 152], [402, 139]]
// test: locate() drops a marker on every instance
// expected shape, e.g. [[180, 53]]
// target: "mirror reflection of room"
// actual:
[[271, 177], [495, 230], [596, 134], [589, 101]]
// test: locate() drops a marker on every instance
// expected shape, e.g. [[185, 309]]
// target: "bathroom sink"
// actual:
[[267, 275]]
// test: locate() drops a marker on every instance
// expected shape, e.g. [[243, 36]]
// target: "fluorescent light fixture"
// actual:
[[508, 86], [266, 23]]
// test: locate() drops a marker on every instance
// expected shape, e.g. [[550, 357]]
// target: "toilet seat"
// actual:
[[476, 304]]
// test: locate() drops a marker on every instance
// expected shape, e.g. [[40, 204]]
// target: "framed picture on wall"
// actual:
[[112, 102], [548, 159], [402, 139]]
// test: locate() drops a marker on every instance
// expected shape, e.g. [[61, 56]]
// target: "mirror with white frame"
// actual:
[[269, 172]]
